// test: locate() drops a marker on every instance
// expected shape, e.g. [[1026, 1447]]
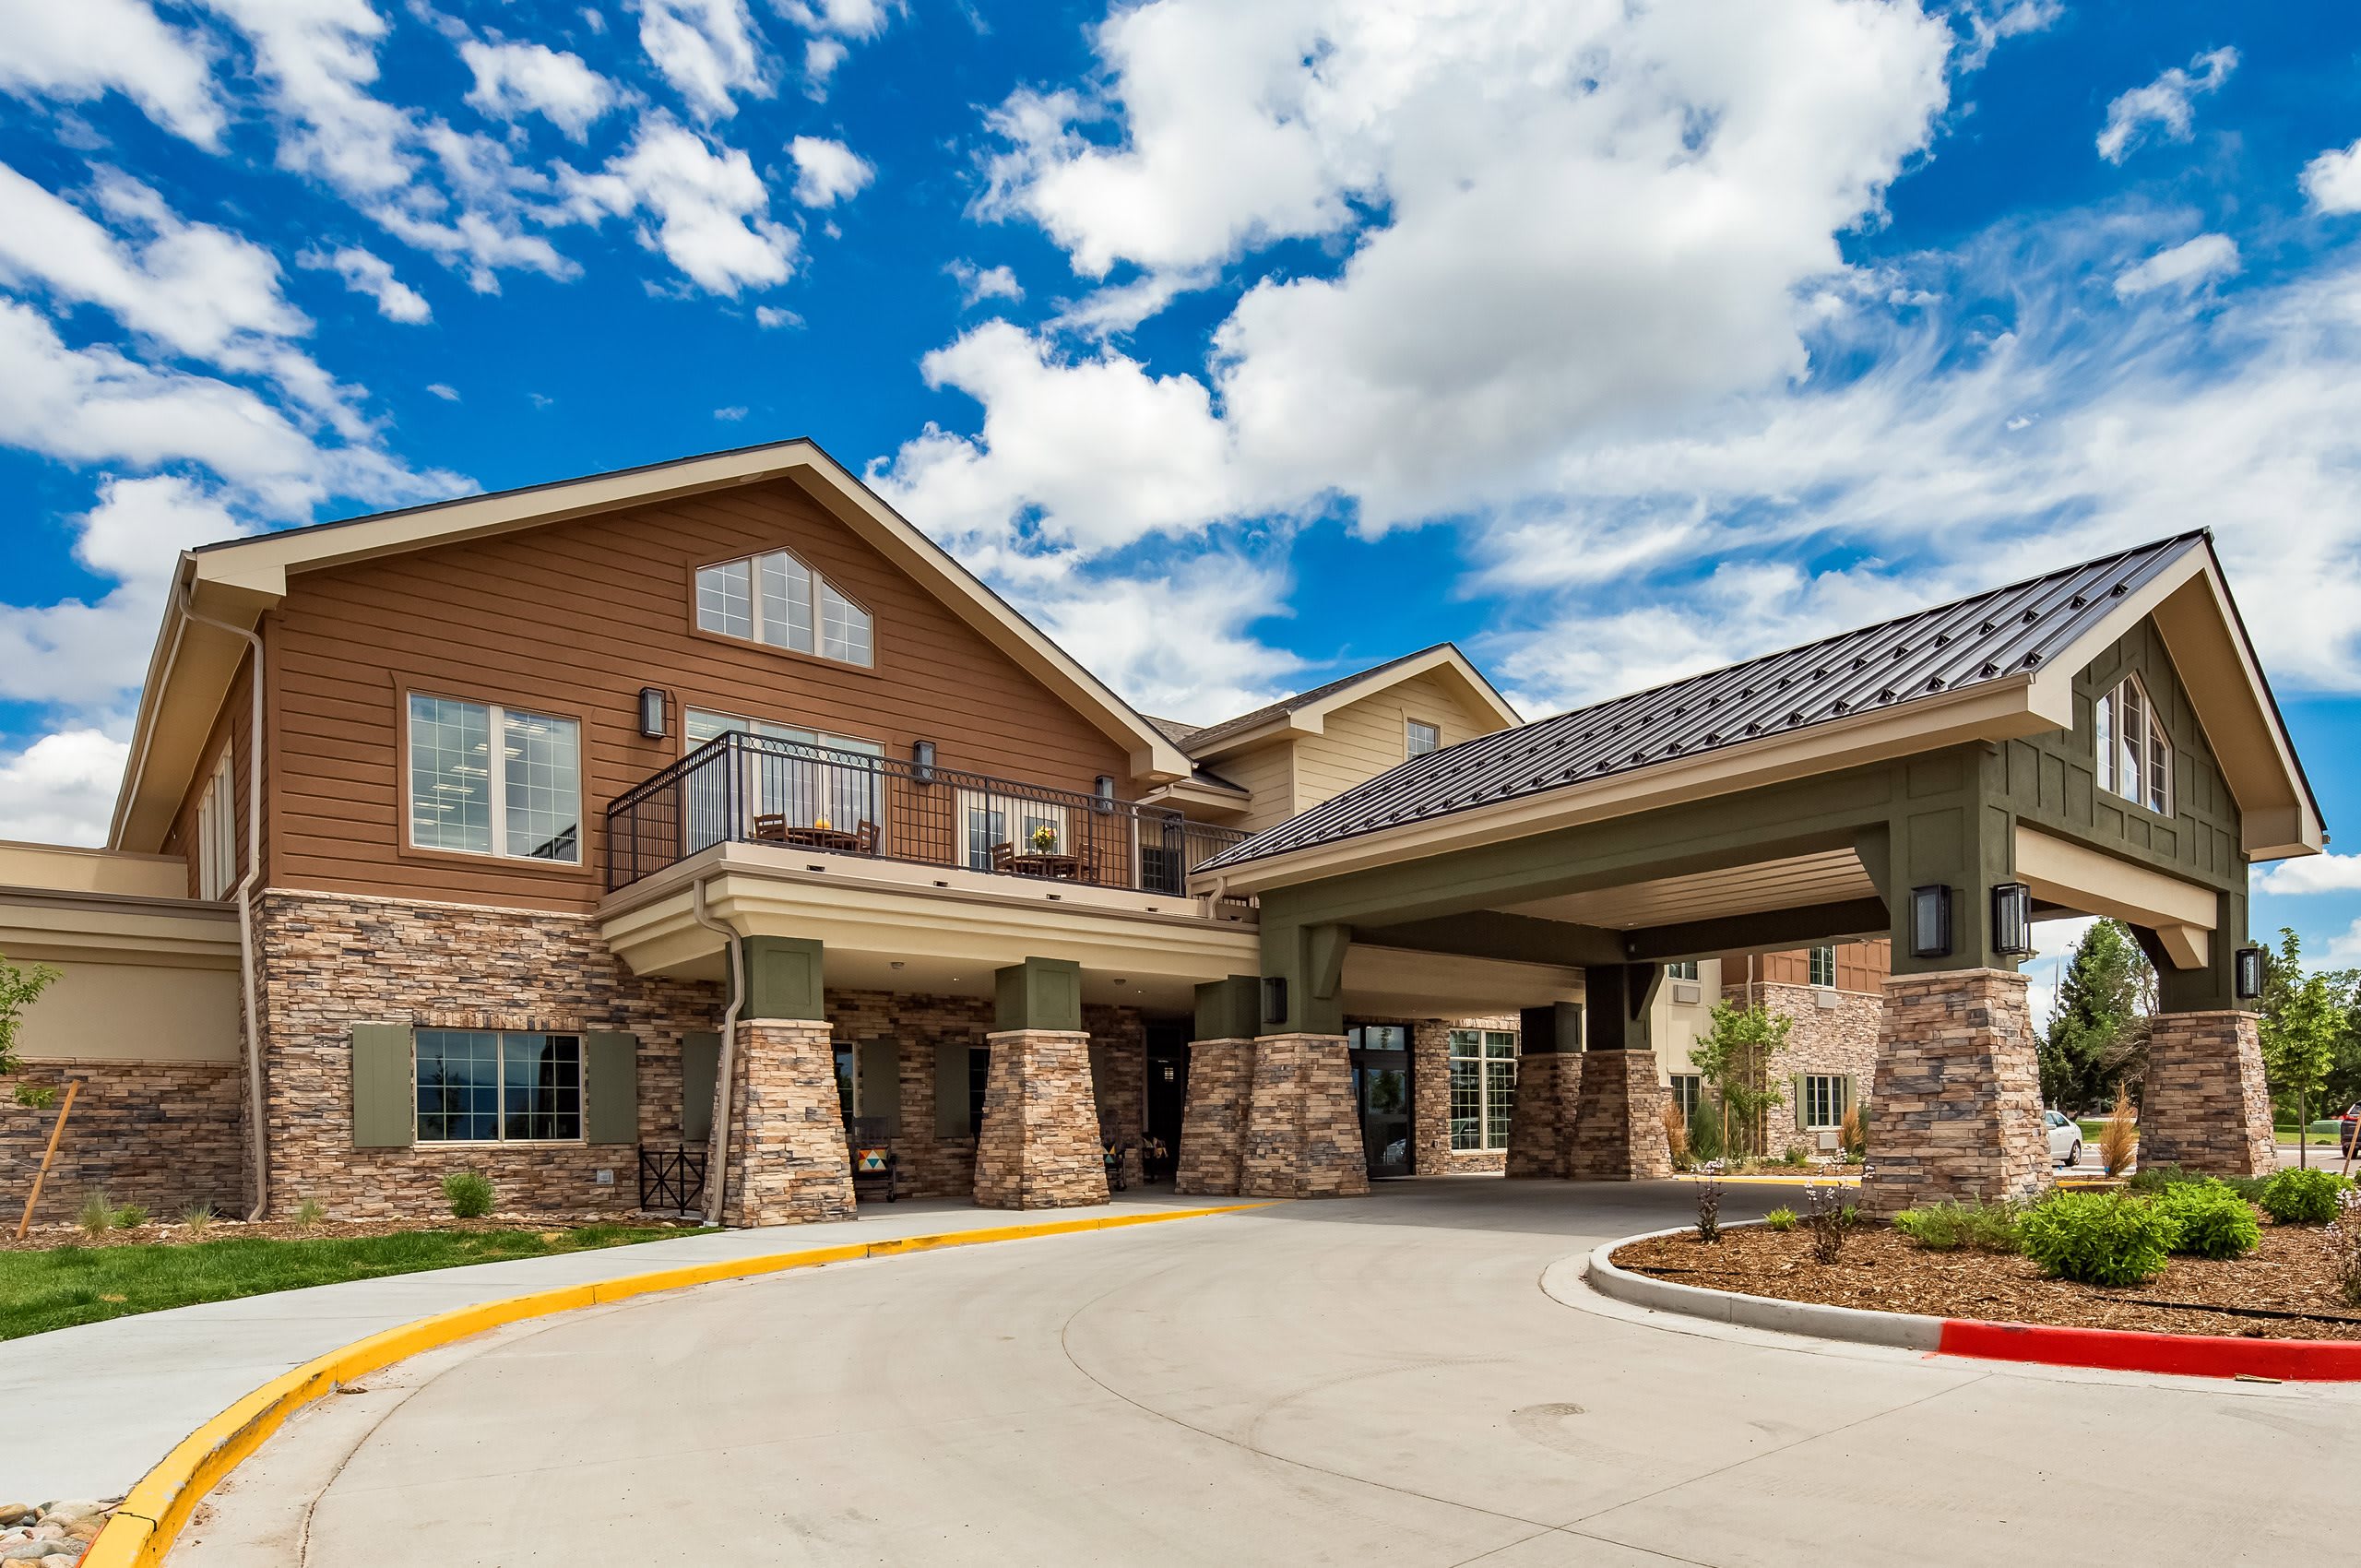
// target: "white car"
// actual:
[[2065, 1138]]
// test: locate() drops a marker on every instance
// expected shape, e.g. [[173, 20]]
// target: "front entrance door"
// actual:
[[1167, 1096], [1381, 1090]]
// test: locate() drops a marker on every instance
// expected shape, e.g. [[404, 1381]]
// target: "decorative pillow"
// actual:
[[870, 1160]]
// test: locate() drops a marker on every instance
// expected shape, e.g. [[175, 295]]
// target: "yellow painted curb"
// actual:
[[143, 1526]]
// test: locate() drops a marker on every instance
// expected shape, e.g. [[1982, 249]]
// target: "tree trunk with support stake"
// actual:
[[73, 1087]]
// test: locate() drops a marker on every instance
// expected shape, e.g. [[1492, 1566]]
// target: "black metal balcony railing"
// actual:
[[754, 789]]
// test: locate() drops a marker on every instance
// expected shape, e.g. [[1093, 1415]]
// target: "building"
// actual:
[[685, 833]]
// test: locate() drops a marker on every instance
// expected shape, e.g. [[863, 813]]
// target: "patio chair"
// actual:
[[867, 836], [771, 827], [1004, 858]]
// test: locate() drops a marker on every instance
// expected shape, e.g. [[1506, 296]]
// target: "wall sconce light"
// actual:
[[1106, 791], [923, 761], [2013, 920], [1275, 999], [651, 712], [2248, 973], [1930, 921]]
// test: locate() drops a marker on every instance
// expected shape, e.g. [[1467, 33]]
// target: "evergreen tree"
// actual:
[[2305, 1018], [2095, 1035]]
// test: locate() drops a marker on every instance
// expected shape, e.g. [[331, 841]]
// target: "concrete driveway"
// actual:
[[1375, 1381]]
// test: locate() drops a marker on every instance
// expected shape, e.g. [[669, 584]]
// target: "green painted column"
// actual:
[[2215, 988], [1310, 960], [1229, 1009], [783, 978], [1953, 830], [1039, 993]]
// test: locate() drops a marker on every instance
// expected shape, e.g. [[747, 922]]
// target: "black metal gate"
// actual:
[[671, 1178]]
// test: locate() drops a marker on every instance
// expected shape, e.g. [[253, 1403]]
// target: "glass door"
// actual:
[[1383, 1093]]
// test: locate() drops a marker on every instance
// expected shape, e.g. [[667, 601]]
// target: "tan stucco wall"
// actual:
[[98, 1012], [63, 868]]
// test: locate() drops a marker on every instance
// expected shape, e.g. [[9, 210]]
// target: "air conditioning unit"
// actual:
[[1688, 993], [1826, 999], [1828, 1136]]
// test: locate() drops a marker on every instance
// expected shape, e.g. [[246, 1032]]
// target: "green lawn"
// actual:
[[64, 1286]]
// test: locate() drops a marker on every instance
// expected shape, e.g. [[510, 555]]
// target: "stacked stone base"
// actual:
[[2205, 1105], [1955, 1114], [788, 1163], [1213, 1122], [1038, 1147], [1618, 1119], [1541, 1125], [167, 1135], [1303, 1131]]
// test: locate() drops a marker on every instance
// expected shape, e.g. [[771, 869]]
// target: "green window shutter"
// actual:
[[700, 1070], [951, 1092], [1796, 1084], [881, 1082], [611, 1088], [385, 1086], [1852, 1094]]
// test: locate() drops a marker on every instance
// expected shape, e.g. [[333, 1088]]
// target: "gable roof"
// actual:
[[191, 669], [1994, 663], [1305, 712]]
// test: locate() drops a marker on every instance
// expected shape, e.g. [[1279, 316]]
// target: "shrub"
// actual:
[[1853, 1132], [2097, 1238], [1797, 1156], [2121, 1136], [309, 1213], [131, 1217], [469, 1193], [97, 1217], [1705, 1134], [2303, 1198], [2345, 1239], [2165, 1178], [2212, 1221], [1675, 1134], [197, 1218], [1780, 1219], [1950, 1227], [1829, 1219], [1709, 1209]]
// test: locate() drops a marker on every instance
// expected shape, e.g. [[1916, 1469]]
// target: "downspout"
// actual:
[[726, 1073], [255, 1100]]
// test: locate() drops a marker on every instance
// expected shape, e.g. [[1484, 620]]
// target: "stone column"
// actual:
[[1213, 1122], [2205, 1106], [1549, 1084], [1955, 1110], [1038, 1145], [788, 1163], [1618, 1131], [1303, 1136]]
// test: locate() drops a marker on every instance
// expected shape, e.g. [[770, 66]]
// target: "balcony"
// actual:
[[754, 789]]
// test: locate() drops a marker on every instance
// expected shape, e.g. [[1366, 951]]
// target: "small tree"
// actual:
[[2096, 1035], [2303, 1019], [1735, 1057], [19, 989]]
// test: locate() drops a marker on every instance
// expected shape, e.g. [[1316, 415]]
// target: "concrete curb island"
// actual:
[[2110, 1349], [151, 1517]]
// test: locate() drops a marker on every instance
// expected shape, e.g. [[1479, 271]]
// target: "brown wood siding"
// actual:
[[1860, 966], [232, 726], [572, 619]]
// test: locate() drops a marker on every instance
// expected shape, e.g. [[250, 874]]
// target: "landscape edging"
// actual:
[[144, 1525], [2107, 1350]]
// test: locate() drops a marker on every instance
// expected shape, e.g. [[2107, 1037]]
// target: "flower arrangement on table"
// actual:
[[1045, 840], [821, 824]]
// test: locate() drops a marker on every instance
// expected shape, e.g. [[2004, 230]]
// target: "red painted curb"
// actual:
[[2190, 1355]]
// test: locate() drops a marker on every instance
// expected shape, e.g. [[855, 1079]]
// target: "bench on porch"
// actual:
[[869, 1141]]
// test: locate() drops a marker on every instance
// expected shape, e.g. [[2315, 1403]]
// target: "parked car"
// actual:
[[2065, 1138], [2348, 1128]]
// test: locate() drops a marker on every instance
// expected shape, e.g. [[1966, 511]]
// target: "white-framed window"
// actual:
[[1687, 1089], [1027, 827], [217, 833], [775, 598], [486, 779], [1483, 1088], [1418, 737], [1684, 970], [805, 780], [1823, 1101], [483, 1086], [2135, 755], [1823, 968]]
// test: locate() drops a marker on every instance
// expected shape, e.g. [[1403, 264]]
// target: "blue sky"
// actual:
[[1240, 341]]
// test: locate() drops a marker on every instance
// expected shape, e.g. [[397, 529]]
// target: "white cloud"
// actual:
[[709, 210], [769, 316], [2312, 873], [708, 49], [2163, 105], [61, 788], [827, 172], [731, 415], [75, 50], [513, 79], [2332, 181], [832, 23], [447, 393], [978, 284], [1177, 642], [2344, 948], [821, 58], [2183, 267], [1985, 31], [366, 273]]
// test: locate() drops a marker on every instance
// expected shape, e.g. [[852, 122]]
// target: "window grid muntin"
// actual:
[[786, 608], [1418, 737], [217, 833], [521, 800], [484, 1087], [1483, 1089], [1823, 1101], [1823, 968], [2134, 755], [1686, 970], [450, 775], [1688, 1088], [846, 629], [778, 599], [725, 598]]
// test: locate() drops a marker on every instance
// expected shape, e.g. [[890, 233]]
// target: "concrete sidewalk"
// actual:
[[92, 1409]]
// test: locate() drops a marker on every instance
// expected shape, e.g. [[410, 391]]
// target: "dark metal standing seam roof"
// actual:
[[1950, 647]]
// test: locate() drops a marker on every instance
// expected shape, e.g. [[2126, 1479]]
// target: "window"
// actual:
[[476, 1086], [521, 798], [1025, 826], [1684, 970], [778, 599], [1378, 1036], [1823, 968], [1418, 737], [217, 833], [2135, 758], [806, 780], [1483, 1088], [1687, 1088], [1824, 1102]]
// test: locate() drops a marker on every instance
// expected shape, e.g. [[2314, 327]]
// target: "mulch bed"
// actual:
[[1882, 1270], [43, 1237]]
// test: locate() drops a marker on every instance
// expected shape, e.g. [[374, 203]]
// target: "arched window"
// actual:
[[2135, 757], [778, 599]]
